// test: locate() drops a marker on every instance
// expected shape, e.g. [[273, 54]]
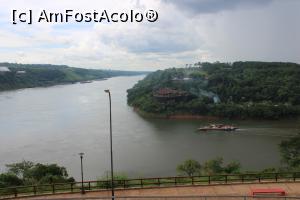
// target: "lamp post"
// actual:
[[82, 188], [111, 151]]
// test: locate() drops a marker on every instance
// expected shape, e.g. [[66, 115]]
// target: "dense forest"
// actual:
[[269, 90], [36, 75]]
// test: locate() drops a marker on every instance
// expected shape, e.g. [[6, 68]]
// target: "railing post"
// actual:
[[15, 192], [209, 179], [294, 176], [175, 181], [71, 187], [141, 183], [158, 180], [192, 180], [226, 178], [259, 178], [124, 184], [89, 185], [276, 177], [53, 188], [34, 189], [242, 178]]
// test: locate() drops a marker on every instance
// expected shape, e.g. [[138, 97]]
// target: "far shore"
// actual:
[[47, 85]]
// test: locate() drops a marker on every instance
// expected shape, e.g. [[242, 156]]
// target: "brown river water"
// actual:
[[54, 124]]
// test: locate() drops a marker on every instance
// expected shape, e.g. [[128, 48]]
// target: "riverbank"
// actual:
[[183, 116], [187, 116]]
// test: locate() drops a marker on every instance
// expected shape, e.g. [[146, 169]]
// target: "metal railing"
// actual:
[[219, 197], [74, 187]]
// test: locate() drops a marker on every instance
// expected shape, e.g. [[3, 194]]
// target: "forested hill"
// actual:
[[15, 76], [233, 90]]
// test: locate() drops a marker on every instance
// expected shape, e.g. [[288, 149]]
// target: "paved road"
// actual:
[[292, 189]]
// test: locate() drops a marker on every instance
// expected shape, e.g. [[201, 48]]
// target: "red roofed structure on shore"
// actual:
[[170, 94]]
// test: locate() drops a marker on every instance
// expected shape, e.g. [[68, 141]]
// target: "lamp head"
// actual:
[[81, 154], [107, 91]]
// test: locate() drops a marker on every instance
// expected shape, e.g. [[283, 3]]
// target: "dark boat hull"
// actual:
[[217, 129]]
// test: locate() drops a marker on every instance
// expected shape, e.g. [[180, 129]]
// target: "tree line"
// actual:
[[262, 90], [39, 75]]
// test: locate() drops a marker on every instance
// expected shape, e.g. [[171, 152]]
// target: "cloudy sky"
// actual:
[[185, 32]]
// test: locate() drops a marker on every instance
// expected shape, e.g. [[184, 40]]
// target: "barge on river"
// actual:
[[218, 127]]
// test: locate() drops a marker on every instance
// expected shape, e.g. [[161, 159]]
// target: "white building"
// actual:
[[21, 72], [4, 69]]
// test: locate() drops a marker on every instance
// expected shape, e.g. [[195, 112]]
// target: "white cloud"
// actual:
[[267, 31]]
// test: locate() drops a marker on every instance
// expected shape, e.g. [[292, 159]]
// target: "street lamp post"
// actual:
[[111, 150], [82, 188]]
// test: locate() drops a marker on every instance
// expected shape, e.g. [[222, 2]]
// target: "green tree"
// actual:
[[232, 167], [20, 169], [189, 167], [290, 151], [216, 166], [269, 170], [31, 173], [213, 166], [9, 179], [105, 181], [48, 173]]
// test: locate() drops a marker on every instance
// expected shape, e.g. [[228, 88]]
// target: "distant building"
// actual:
[[216, 99], [4, 69], [21, 72], [167, 94], [181, 79]]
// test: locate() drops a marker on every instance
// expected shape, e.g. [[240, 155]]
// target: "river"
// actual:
[[54, 124]]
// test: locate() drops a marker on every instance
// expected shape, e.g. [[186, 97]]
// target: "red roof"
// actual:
[[168, 92]]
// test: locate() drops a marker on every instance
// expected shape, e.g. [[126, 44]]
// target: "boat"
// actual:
[[218, 127]]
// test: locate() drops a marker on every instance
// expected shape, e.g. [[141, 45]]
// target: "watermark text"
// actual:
[[71, 16]]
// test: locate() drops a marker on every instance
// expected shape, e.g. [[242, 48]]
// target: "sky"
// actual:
[[186, 32]]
